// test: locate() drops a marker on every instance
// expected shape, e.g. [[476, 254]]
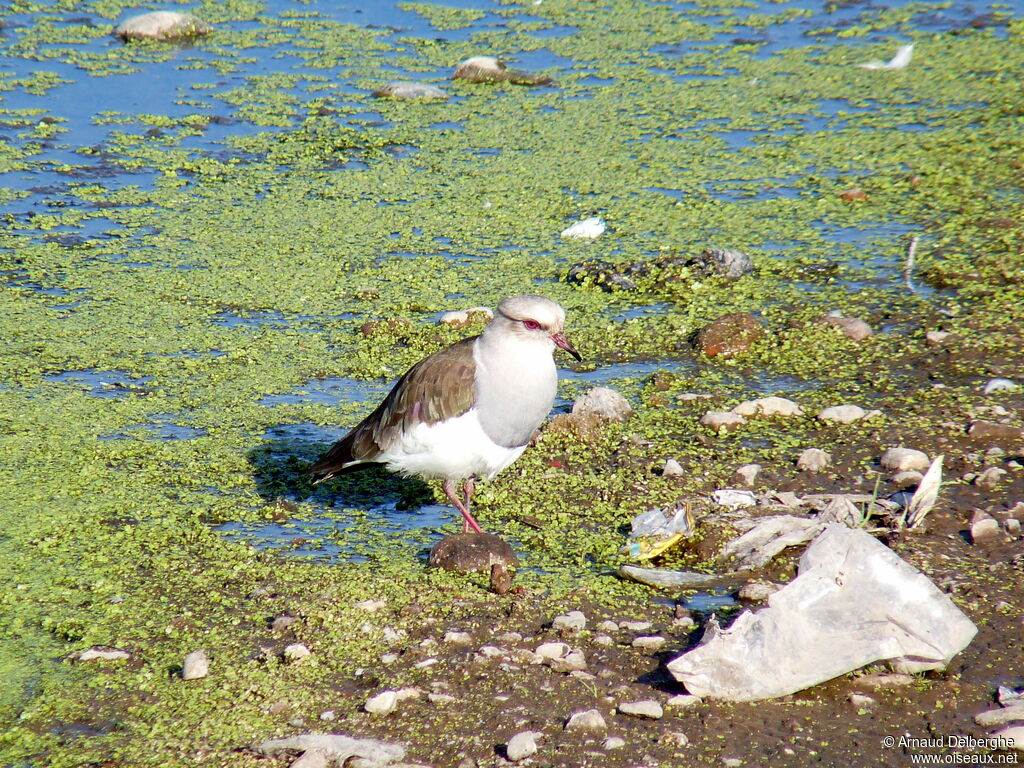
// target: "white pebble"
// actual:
[[458, 638], [672, 468], [718, 420], [901, 459], [607, 626], [649, 643], [842, 414], [635, 626], [613, 742], [684, 701], [590, 720], [648, 709], [382, 704], [573, 621], [195, 666], [768, 406], [521, 746], [813, 460], [552, 650], [734, 498], [296, 652], [748, 473], [1000, 385]]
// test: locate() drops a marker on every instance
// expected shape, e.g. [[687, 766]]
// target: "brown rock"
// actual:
[[853, 194], [472, 552], [729, 335], [988, 430]]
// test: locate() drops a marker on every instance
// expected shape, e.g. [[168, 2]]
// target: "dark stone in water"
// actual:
[[472, 553]]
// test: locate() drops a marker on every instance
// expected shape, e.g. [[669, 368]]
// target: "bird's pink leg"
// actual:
[[469, 524]]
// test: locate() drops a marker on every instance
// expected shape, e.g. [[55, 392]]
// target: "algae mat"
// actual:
[[198, 237]]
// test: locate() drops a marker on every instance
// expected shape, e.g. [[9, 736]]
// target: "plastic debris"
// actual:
[[664, 578], [899, 61], [924, 497], [337, 747], [855, 602], [655, 530], [733, 498], [587, 229], [768, 537]]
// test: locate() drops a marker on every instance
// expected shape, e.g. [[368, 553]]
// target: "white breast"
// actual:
[[457, 448]]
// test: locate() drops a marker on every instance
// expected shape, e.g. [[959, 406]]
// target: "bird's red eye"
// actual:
[[531, 325]]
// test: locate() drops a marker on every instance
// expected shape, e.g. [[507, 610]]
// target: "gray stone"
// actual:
[[605, 404], [993, 717], [613, 742], [587, 721], [747, 474], [405, 90], [521, 746], [768, 406], [813, 460], [903, 459], [458, 638], [648, 709], [339, 748], [573, 621], [842, 414], [552, 650], [296, 652], [649, 643], [722, 420], [672, 468], [382, 704], [684, 701], [162, 25]]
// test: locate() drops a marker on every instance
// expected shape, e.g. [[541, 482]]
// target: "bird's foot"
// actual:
[[469, 524]]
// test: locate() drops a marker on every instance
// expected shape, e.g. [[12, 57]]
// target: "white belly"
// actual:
[[455, 449]]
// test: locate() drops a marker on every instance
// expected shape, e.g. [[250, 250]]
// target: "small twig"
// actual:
[[908, 268]]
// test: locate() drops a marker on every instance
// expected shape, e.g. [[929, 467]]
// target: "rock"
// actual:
[[1011, 738], [607, 626], [853, 194], [983, 526], [648, 709], [328, 715], [729, 335], [747, 474], [1012, 526], [501, 579], [719, 420], [195, 667], [936, 338], [988, 430], [521, 746], [649, 643], [405, 90], [457, 318], [1000, 385], [383, 703], [854, 602], [813, 460], [588, 229], [757, 591], [487, 69], [573, 621], [613, 742], [989, 478], [861, 701], [603, 640], [907, 478], [842, 414], [552, 650], [162, 25], [606, 404], [734, 498], [296, 652], [994, 717], [672, 468], [603, 274], [853, 328], [339, 749], [719, 261], [441, 699], [371, 605], [102, 654], [684, 701], [458, 638], [903, 459], [676, 739], [587, 721], [885, 680], [281, 623], [768, 406], [574, 661], [635, 626], [472, 552]]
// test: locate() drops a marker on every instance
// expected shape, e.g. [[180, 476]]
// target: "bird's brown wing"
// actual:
[[437, 388]]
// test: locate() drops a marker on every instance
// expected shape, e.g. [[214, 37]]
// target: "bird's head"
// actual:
[[534, 317]]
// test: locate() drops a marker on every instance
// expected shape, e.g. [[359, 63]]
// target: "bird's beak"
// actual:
[[564, 343]]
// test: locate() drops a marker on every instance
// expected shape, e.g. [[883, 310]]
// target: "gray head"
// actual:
[[533, 317]]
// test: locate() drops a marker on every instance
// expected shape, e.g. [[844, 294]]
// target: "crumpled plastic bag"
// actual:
[[855, 602], [656, 530], [336, 748]]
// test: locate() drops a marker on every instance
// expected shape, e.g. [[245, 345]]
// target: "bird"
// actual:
[[467, 411]]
